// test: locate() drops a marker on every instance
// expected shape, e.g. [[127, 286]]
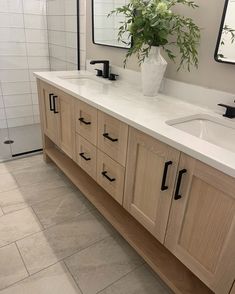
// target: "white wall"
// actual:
[[23, 50]]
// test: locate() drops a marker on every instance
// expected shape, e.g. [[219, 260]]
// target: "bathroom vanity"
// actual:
[[171, 195]]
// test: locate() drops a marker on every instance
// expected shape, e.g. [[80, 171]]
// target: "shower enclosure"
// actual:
[[35, 35]]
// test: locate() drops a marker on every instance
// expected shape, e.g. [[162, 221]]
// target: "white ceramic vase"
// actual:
[[152, 71]]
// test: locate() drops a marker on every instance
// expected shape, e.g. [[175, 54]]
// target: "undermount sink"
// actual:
[[86, 80], [220, 132]]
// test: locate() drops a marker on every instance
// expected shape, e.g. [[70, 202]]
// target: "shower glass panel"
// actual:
[[35, 35]]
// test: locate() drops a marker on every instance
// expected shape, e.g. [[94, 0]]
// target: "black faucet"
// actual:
[[105, 69], [230, 110]]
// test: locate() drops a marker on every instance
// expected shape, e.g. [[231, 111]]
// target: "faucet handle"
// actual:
[[99, 72], [112, 77], [230, 110]]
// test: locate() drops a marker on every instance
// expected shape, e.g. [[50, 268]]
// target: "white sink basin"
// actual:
[[86, 80], [220, 132]]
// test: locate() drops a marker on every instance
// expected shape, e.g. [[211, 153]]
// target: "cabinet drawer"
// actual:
[[110, 175], [86, 121], [86, 156], [112, 137]]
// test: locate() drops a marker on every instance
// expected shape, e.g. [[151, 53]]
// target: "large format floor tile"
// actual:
[[22, 197], [46, 248], [37, 174], [12, 268], [7, 182], [61, 209], [140, 281], [17, 225], [102, 264], [53, 280]]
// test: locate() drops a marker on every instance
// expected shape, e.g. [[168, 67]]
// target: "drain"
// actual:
[[8, 142]]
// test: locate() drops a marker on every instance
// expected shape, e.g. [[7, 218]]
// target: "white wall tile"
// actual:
[[19, 111], [36, 36], [20, 121], [11, 20], [35, 21], [38, 62], [56, 22], [14, 75], [37, 49], [13, 62], [56, 7], [15, 88], [17, 100], [34, 6], [11, 49], [12, 35], [13, 6]]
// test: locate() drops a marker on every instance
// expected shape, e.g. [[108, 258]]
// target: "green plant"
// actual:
[[153, 23], [226, 31]]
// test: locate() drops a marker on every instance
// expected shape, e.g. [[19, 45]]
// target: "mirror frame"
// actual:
[[93, 31], [220, 35]]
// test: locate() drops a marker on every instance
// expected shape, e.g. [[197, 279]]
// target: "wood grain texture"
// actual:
[[201, 229], [90, 114], [66, 124], [90, 151], [168, 267], [115, 171], [143, 197], [116, 130]]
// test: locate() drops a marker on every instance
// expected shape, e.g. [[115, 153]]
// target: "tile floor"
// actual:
[[52, 240]]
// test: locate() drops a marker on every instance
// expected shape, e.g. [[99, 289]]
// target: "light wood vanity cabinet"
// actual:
[[58, 117], [186, 205], [150, 177], [112, 137], [201, 229]]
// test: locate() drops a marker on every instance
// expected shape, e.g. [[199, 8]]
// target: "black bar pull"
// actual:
[[164, 187], [177, 190], [82, 120], [104, 173], [50, 101], [106, 135], [84, 157], [54, 104]]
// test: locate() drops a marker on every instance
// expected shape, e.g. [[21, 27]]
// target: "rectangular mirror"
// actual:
[[104, 28], [225, 48]]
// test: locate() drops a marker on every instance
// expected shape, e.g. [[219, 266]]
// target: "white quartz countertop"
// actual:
[[148, 114]]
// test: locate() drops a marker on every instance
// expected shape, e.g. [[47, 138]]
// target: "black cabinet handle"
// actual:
[[177, 190], [106, 135], [164, 187], [54, 104], [104, 173], [84, 157], [50, 101], [82, 120]]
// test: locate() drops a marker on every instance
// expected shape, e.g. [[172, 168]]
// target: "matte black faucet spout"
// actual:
[[106, 67]]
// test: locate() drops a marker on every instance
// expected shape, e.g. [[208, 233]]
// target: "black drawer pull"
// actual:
[[164, 187], [177, 190], [54, 104], [84, 157], [104, 173], [82, 120], [50, 101], [106, 135]]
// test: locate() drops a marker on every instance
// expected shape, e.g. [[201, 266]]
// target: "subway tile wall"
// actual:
[[35, 35], [23, 50], [62, 34]]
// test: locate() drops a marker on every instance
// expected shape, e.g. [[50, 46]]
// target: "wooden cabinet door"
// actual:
[[201, 229], [66, 124], [148, 195], [49, 118]]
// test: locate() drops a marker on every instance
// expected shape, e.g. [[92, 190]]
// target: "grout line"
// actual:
[[72, 276], [134, 269], [22, 258]]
